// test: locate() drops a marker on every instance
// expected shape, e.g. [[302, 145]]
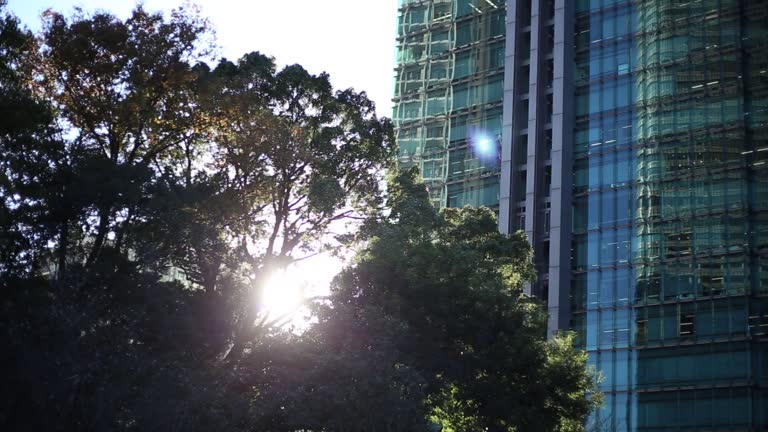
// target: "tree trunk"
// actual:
[[63, 248], [101, 235]]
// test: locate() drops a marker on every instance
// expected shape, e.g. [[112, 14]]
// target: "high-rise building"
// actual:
[[629, 140], [448, 94]]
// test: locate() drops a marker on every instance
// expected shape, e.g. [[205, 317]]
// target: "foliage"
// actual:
[[145, 197], [453, 284]]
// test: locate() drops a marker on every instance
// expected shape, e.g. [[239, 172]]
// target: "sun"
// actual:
[[282, 297]]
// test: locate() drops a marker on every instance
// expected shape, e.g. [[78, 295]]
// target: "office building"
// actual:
[[629, 140], [449, 93]]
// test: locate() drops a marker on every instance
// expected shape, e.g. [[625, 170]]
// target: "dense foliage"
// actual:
[[146, 196]]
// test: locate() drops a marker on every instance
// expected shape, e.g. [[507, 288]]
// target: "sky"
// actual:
[[352, 40]]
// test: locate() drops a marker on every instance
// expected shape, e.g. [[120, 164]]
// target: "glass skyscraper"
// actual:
[[632, 141], [670, 210], [448, 94]]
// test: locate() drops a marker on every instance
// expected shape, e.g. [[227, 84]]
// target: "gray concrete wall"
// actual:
[[507, 204], [558, 273], [562, 169]]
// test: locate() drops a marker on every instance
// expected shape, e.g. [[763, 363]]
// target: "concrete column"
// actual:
[[562, 170], [507, 204], [534, 126]]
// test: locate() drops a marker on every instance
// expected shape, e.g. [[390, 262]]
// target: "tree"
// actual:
[[429, 325], [26, 146], [339, 376], [141, 196], [123, 92], [289, 158], [450, 287]]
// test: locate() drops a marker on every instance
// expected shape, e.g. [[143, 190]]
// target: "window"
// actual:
[[464, 33], [525, 46], [438, 72], [465, 7], [460, 97], [496, 56], [459, 129], [687, 323], [548, 6], [464, 65], [524, 11], [522, 114], [522, 184], [435, 130], [440, 43], [548, 107], [521, 150], [520, 218], [523, 79], [549, 70], [549, 39], [442, 12], [498, 23]]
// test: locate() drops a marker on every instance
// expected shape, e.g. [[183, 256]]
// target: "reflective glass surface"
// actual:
[[670, 244], [448, 97]]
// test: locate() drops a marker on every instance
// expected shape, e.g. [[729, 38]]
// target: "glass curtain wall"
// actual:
[[448, 97], [670, 291]]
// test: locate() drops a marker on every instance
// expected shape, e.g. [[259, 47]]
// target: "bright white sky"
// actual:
[[352, 40]]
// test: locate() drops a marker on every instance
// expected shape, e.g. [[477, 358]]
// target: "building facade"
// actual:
[[629, 140], [449, 94]]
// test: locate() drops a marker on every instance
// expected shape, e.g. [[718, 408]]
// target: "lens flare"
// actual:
[[484, 144]]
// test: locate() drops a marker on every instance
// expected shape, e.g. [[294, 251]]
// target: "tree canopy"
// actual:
[[147, 192]]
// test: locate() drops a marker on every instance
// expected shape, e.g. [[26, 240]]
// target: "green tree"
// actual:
[[339, 376], [124, 93], [141, 195], [428, 325], [289, 157], [27, 146], [451, 285]]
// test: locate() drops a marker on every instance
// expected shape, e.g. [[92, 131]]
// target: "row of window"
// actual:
[[686, 7], [719, 363], [443, 101], [677, 208], [604, 134], [624, 246], [439, 71], [612, 170], [478, 192], [668, 282], [649, 27], [684, 75], [419, 14], [675, 325], [442, 58], [470, 161], [723, 409], [712, 409], [724, 142], [434, 137], [683, 161], [660, 108], [440, 40]]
